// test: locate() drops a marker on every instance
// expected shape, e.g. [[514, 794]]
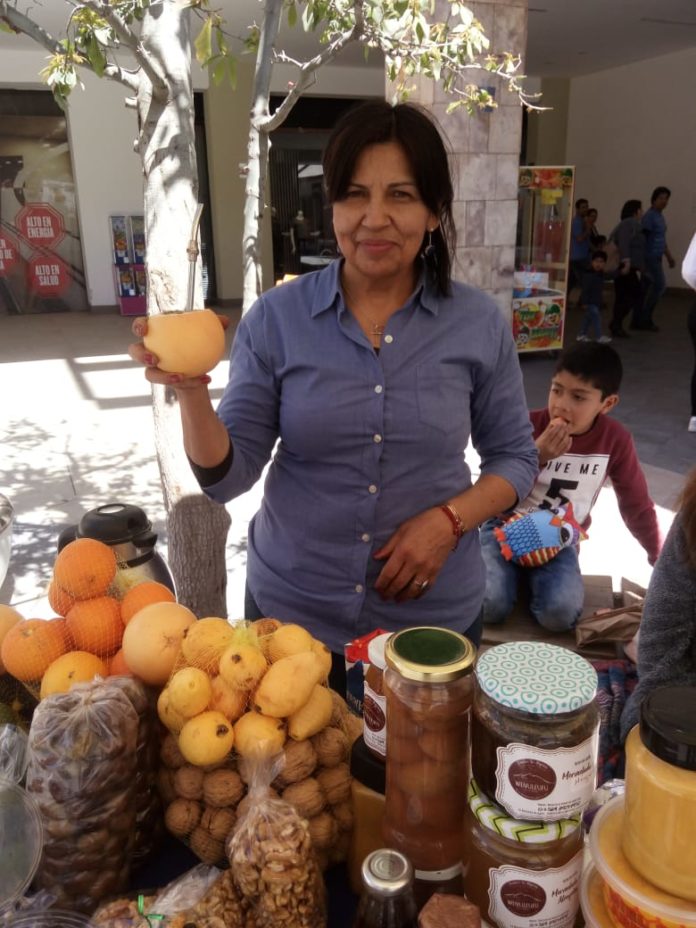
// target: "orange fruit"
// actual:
[[118, 666], [69, 669], [85, 568], [95, 625], [8, 618], [60, 601], [149, 591], [31, 645]]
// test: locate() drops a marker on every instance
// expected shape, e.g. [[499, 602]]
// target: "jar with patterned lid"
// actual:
[[429, 688], [521, 874], [535, 730]]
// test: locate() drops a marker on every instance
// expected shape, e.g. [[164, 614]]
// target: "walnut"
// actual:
[[247, 802], [188, 782], [331, 746], [182, 816], [300, 763], [343, 813], [323, 830], [335, 781], [222, 788], [306, 796], [205, 847], [218, 822], [170, 755], [165, 784]]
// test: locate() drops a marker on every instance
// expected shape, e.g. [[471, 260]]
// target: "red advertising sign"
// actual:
[[40, 224], [9, 253], [47, 276]]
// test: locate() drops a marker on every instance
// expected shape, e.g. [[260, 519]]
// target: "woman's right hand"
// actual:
[[153, 374]]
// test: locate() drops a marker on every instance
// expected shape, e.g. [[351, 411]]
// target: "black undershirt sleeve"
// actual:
[[207, 476]]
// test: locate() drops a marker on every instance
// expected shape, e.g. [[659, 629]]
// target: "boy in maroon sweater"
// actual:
[[580, 446]]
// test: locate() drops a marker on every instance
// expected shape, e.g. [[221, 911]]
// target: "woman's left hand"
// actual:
[[414, 556]]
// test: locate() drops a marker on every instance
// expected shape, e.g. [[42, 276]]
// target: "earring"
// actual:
[[430, 252]]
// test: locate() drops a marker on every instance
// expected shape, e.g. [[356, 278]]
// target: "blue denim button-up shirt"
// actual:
[[366, 440]]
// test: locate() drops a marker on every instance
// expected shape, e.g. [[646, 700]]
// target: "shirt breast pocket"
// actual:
[[443, 395]]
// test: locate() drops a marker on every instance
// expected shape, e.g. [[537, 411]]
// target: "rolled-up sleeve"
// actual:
[[500, 428]]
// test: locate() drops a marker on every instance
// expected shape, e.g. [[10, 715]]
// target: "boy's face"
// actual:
[[577, 402], [598, 264]]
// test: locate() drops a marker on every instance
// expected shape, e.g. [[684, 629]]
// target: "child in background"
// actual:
[[591, 287], [580, 446]]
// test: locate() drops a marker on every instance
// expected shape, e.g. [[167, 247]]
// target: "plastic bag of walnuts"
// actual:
[[82, 766], [203, 804], [272, 860]]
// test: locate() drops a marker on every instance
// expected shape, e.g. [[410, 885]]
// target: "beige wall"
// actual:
[[547, 129], [631, 129]]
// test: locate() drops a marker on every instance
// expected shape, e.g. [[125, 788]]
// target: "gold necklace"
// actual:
[[377, 328]]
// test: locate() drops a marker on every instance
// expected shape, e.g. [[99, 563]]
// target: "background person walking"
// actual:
[[655, 231]]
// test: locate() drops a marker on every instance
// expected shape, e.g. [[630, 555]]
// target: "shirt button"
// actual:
[[359, 588], [389, 339], [377, 439], [372, 488], [365, 537], [378, 388]]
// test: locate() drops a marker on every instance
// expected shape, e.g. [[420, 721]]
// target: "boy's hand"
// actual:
[[553, 441]]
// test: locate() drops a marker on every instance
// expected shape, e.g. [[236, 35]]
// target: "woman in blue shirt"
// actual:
[[363, 383]]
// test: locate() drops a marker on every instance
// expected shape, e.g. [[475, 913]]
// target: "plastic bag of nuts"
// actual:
[[272, 859], [82, 764]]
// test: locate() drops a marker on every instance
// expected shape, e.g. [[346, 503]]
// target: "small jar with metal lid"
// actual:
[[535, 730], [521, 874], [374, 700], [429, 688], [660, 819], [387, 899]]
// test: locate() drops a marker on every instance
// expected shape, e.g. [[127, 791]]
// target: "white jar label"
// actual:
[[375, 721], [536, 784], [519, 898]]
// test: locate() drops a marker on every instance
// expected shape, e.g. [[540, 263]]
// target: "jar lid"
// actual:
[[375, 650], [430, 655], [491, 816], [668, 725], [387, 872], [542, 679]]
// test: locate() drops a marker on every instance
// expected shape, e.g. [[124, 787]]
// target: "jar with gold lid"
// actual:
[[660, 813], [429, 688], [521, 874], [535, 730]]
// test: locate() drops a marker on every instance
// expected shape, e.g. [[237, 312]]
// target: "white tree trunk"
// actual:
[[197, 528], [258, 148]]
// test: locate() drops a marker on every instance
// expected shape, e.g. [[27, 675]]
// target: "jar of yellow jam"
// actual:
[[659, 834]]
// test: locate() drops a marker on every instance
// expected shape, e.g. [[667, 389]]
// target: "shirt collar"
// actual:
[[328, 291]]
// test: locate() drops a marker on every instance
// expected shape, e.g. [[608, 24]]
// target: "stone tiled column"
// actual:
[[486, 154]]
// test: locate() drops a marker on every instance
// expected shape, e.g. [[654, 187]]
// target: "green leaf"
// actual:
[[292, 15], [6, 27], [96, 56], [203, 44]]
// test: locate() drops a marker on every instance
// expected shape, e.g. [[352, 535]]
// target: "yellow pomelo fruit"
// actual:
[[204, 642], [189, 691], [206, 739], [188, 343], [167, 716]]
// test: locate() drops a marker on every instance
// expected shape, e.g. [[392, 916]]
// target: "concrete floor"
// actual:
[[76, 432]]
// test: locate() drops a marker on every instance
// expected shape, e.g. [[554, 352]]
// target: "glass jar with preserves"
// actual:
[[521, 874], [374, 700], [535, 730], [660, 815], [387, 899], [429, 688]]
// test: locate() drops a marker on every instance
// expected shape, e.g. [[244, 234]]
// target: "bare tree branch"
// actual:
[[131, 41]]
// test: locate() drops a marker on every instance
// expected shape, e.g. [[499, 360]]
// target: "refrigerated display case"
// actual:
[[544, 217]]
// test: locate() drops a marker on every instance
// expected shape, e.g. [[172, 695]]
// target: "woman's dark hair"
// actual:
[[688, 516], [376, 123], [630, 208]]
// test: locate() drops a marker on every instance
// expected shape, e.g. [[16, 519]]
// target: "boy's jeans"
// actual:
[[591, 320], [556, 591]]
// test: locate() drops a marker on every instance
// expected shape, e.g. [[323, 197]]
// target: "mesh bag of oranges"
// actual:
[[84, 638], [241, 693]]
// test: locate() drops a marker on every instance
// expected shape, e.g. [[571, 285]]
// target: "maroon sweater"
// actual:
[[606, 451]]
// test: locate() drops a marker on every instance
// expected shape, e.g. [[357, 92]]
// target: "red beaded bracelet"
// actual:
[[456, 520]]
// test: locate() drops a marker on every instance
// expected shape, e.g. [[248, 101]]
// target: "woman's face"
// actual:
[[381, 221]]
